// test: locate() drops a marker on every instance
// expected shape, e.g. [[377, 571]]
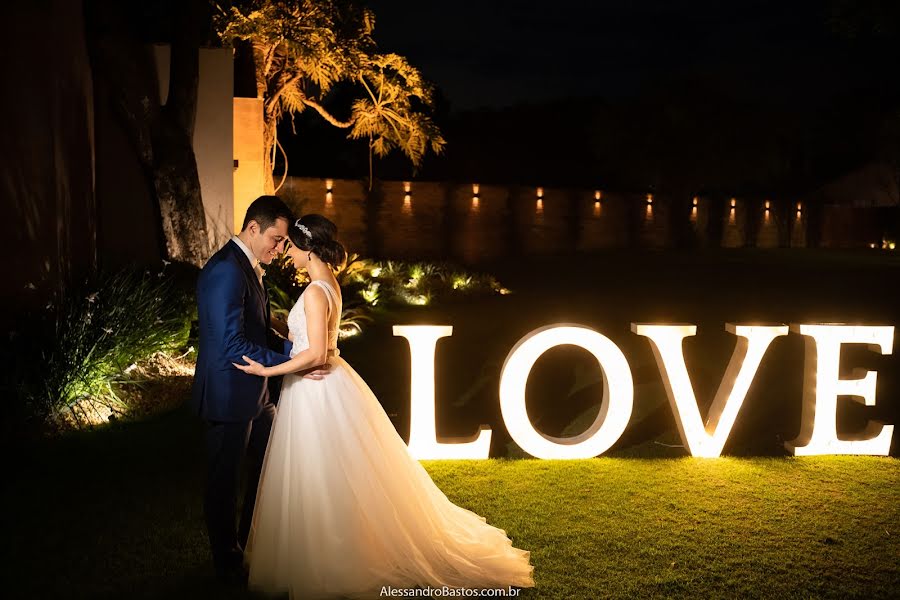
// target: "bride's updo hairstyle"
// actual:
[[316, 233]]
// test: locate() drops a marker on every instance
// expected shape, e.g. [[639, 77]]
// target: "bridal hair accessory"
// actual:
[[303, 228]]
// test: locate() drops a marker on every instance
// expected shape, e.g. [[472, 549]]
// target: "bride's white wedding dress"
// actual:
[[343, 509]]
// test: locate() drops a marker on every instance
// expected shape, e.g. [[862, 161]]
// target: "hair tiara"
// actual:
[[303, 228]]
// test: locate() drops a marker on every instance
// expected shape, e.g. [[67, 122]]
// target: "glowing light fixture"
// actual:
[[696, 200], [423, 442], [767, 205], [649, 198], [407, 186], [733, 202], [475, 189], [598, 196], [540, 193], [822, 385], [615, 408], [707, 440], [329, 185]]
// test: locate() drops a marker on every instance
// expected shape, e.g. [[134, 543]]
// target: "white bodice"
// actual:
[[297, 320]]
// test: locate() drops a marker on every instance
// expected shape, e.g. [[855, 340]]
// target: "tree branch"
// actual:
[[269, 56], [270, 103], [326, 115]]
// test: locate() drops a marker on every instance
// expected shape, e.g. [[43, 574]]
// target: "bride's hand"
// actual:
[[252, 367], [317, 373]]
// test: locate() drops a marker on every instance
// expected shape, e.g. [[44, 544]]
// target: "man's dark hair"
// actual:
[[265, 210]]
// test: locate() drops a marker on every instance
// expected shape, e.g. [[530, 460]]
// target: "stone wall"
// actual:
[[475, 223]]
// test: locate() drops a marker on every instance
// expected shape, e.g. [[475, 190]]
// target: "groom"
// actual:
[[234, 316]]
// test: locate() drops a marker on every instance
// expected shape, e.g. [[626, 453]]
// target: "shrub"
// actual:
[[69, 356], [366, 284]]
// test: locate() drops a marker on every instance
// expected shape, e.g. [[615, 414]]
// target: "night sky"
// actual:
[[497, 54]]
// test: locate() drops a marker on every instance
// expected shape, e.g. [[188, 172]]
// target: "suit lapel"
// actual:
[[251, 275]]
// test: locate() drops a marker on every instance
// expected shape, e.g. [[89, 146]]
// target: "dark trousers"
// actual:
[[226, 445]]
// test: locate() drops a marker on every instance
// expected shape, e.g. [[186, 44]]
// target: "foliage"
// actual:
[[303, 48], [420, 282], [387, 116], [368, 284], [69, 357]]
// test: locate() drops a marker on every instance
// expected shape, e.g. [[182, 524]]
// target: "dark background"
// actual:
[[741, 97]]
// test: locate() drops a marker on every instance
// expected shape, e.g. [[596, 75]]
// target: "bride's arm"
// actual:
[[315, 305]]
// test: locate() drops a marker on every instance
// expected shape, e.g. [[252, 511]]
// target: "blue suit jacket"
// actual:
[[233, 312]]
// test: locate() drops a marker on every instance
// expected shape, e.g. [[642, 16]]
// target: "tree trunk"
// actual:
[[270, 129], [177, 188], [175, 176], [162, 136]]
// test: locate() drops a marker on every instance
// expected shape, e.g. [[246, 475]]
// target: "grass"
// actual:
[[117, 513], [691, 528]]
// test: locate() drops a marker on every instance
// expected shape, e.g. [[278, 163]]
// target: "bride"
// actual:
[[343, 510]]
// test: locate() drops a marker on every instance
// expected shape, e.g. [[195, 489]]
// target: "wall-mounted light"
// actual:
[[407, 186], [649, 198], [329, 186], [767, 205], [696, 201], [733, 202], [475, 189], [407, 204], [540, 193], [598, 196]]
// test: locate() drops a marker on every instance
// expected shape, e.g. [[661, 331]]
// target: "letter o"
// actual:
[[615, 409]]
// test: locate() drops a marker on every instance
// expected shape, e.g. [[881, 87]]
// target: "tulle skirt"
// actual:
[[343, 510]]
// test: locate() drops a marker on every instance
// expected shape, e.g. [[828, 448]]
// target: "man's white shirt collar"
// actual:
[[254, 263]]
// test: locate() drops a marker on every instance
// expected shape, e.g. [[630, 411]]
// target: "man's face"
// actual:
[[269, 243]]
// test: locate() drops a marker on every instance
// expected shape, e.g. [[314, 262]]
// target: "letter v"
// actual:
[[666, 341]]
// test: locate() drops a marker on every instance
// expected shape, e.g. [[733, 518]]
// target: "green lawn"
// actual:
[[117, 513]]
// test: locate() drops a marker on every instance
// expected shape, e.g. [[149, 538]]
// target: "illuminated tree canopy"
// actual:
[[303, 48]]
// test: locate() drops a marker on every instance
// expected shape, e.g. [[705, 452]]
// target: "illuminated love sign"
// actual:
[[821, 388]]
